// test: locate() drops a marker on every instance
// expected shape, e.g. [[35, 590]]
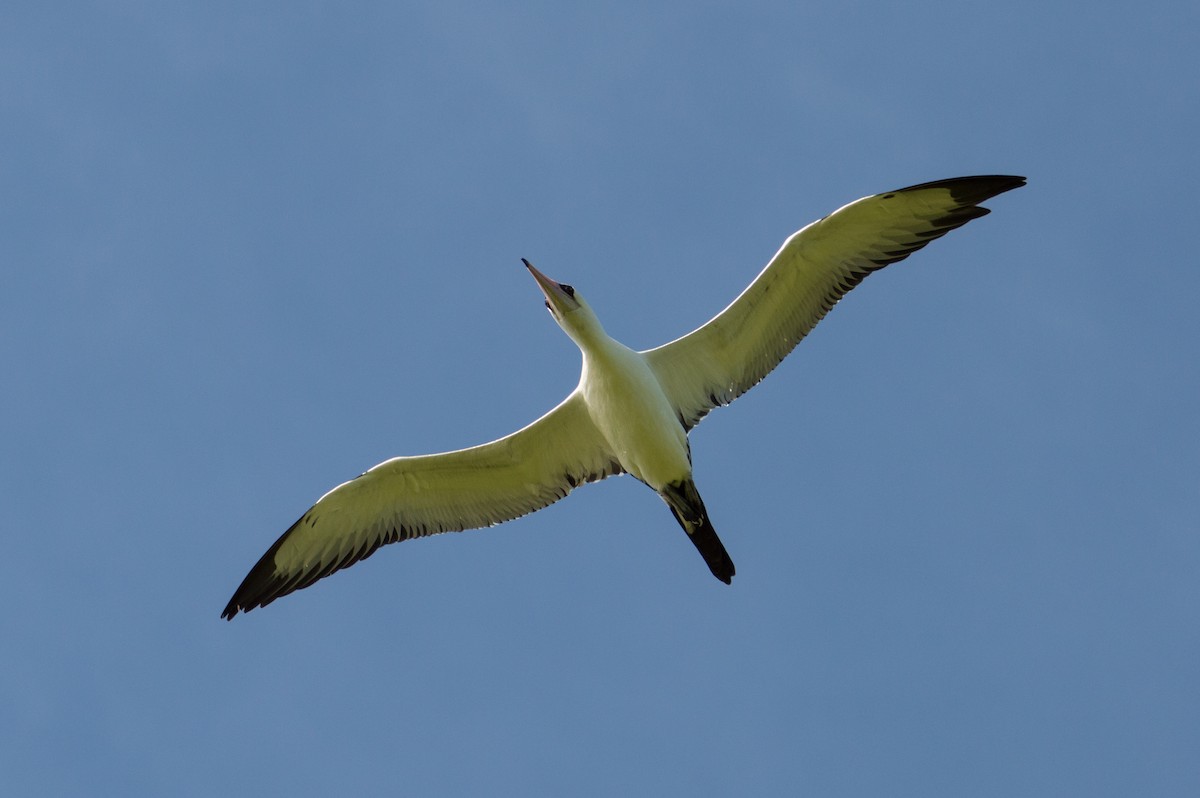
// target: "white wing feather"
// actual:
[[816, 266], [408, 497]]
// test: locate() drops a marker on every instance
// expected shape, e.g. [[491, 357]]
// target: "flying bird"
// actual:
[[632, 411]]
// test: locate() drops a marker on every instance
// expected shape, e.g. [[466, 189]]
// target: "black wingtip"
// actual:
[[263, 584], [974, 188]]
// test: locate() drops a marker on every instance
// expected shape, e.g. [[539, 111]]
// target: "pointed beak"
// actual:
[[559, 298]]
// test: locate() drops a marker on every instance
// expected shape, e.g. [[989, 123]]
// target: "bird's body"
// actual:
[[631, 412], [628, 407]]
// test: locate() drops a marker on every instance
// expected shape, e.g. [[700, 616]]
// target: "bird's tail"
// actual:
[[688, 509]]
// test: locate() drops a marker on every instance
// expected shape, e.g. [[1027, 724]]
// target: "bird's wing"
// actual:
[[814, 268], [408, 497]]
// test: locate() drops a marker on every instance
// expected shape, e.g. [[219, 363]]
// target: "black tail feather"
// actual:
[[688, 509]]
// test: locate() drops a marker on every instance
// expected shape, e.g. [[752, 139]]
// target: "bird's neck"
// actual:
[[588, 334]]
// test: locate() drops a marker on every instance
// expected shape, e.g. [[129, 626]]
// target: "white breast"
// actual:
[[628, 406]]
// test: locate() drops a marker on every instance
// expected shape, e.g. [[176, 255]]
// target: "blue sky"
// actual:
[[252, 249]]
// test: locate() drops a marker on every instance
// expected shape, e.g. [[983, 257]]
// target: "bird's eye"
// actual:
[[547, 304], [568, 290]]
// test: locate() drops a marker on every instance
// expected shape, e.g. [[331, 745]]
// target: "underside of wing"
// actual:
[[815, 268], [408, 497]]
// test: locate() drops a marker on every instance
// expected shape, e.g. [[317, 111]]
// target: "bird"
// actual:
[[632, 411]]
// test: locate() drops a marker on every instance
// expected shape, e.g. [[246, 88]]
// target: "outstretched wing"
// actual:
[[408, 497], [815, 268]]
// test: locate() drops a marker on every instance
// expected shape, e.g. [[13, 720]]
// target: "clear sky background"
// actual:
[[251, 249]]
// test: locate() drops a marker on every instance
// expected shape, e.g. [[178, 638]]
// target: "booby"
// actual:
[[632, 411]]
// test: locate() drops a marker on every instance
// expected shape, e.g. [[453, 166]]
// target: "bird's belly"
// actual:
[[639, 424]]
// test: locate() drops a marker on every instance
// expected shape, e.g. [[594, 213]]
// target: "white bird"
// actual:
[[631, 412]]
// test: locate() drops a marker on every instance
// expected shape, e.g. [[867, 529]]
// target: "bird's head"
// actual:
[[567, 307]]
